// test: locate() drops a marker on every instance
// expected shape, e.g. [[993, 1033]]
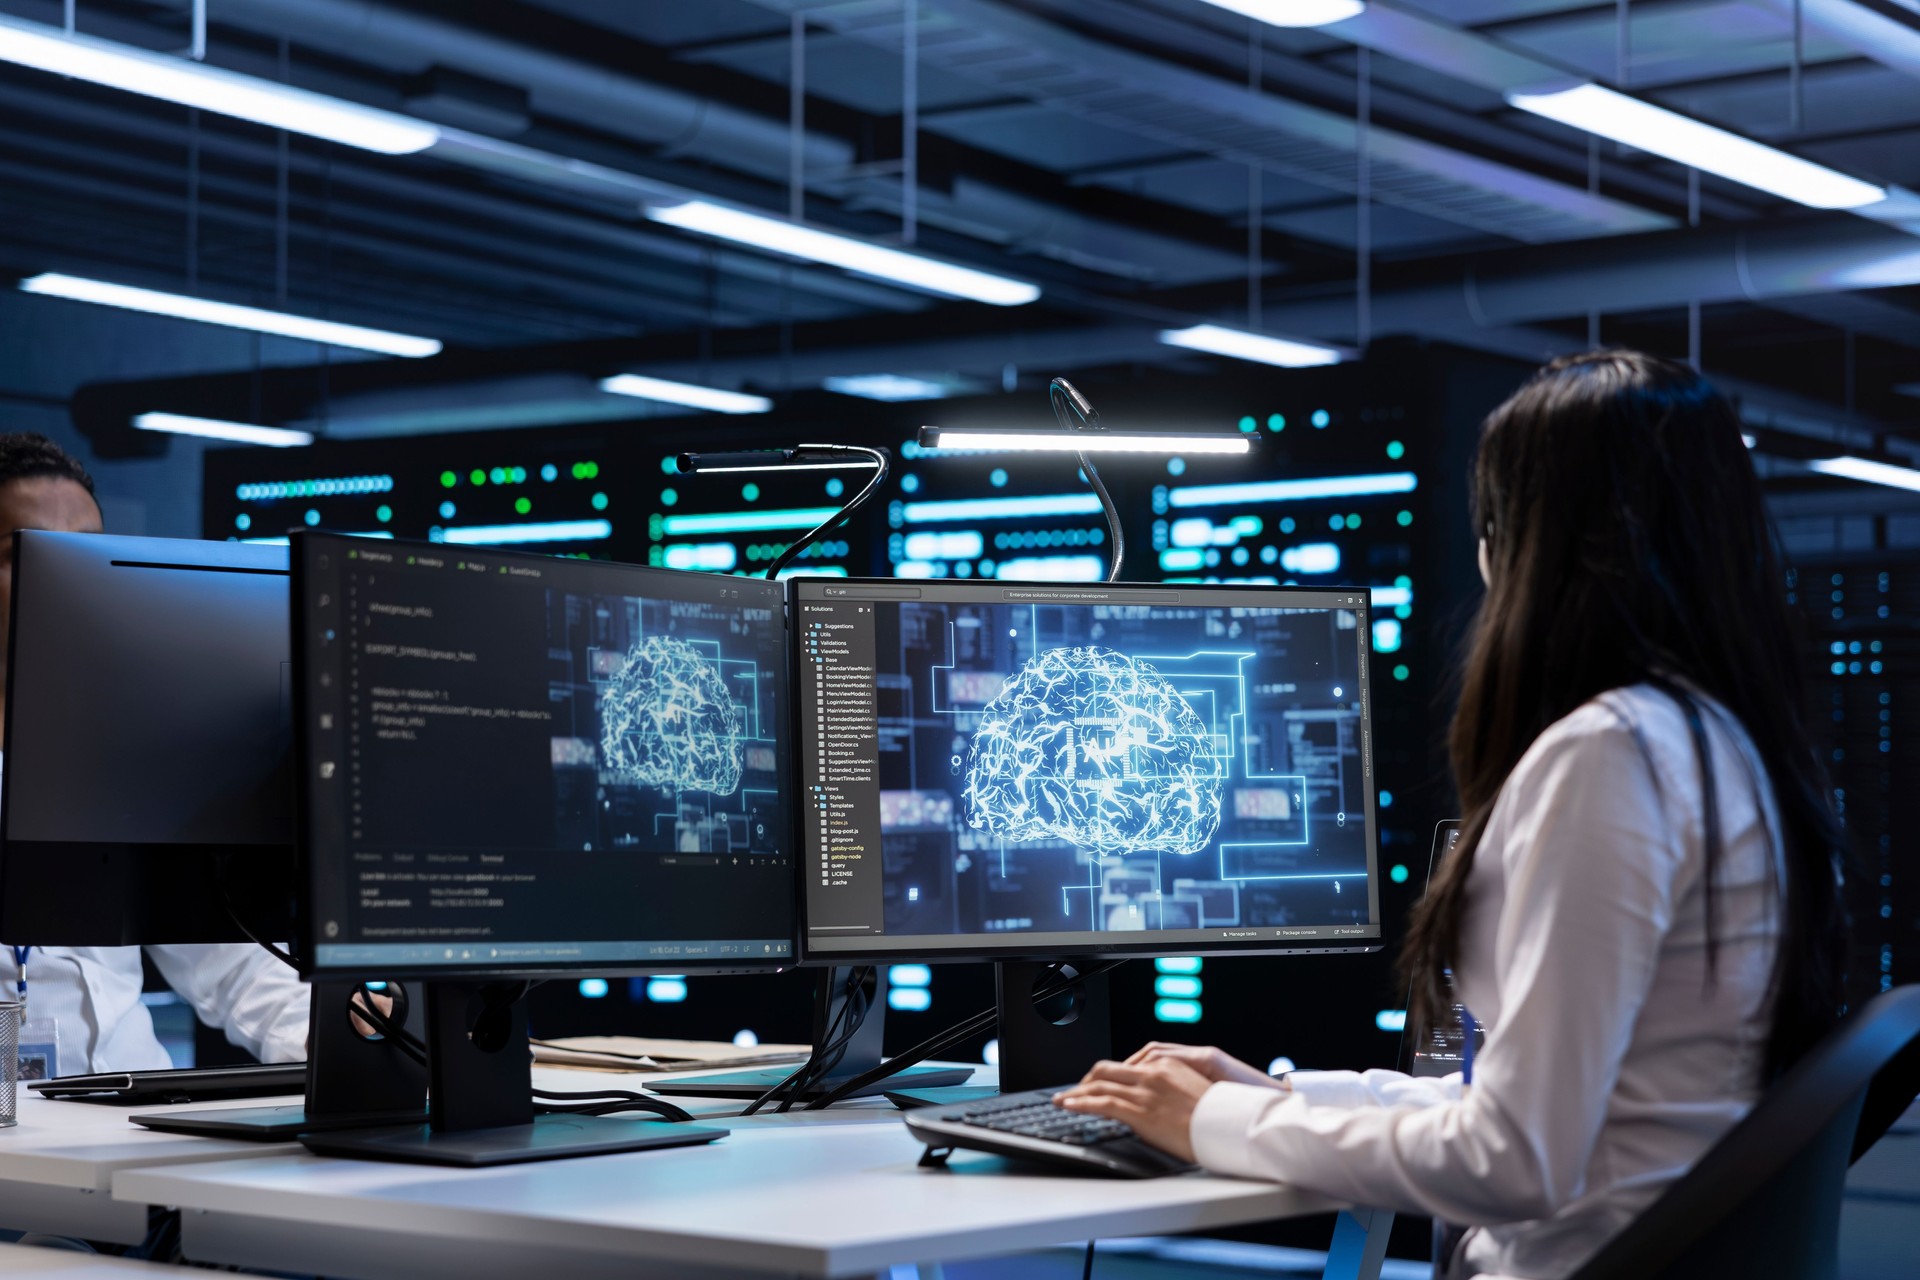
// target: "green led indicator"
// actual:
[[1276, 422], [599, 502], [519, 475], [1403, 611], [751, 492], [1405, 518], [478, 476], [448, 479], [1399, 873], [498, 475], [1396, 450], [1400, 672], [668, 497], [523, 505], [1247, 424], [383, 513]]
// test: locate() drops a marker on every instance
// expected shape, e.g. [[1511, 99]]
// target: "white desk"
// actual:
[[57, 1165], [809, 1194], [815, 1194], [61, 1264]]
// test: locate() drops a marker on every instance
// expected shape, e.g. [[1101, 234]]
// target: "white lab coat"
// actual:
[[1611, 1063], [93, 993]]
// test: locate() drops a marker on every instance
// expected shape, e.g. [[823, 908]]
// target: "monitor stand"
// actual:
[[1044, 1043], [862, 1054], [480, 1096], [353, 1080]]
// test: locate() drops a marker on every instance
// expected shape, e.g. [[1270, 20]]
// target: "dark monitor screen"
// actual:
[[149, 710], [517, 764], [1442, 1050], [998, 768]]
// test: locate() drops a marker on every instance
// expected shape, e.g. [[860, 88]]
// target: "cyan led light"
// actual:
[[499, 535], [181, 306], [747, 521], [1389, 597], [1058, 504], [1234, 495], [704, 557], [1176, 986], [323, 487], [1052, 569], [909, 999], [964, 544], [1391, 1020], [1178, 964], [1311, 557], [667, 989], [910, 975], [1176, 1010], [1182, 560], [1047, 441], [891, 387]]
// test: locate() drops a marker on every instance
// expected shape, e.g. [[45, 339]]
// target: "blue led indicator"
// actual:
[[593, 988]]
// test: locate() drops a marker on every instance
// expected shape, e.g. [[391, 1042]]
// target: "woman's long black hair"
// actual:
[[1628, 543]]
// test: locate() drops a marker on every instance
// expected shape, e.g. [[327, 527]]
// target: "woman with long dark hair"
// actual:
[[1644, 908]]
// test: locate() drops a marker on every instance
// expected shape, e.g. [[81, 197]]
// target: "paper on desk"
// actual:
[[634, 1053]]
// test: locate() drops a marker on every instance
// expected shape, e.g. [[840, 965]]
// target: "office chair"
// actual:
[[1765, 1200]]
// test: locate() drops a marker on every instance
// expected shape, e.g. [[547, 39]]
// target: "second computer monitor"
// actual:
[[520, 764], [1006, 769]]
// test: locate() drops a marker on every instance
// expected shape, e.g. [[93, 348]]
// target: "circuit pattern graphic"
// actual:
[[667, 720], [1087, 745]]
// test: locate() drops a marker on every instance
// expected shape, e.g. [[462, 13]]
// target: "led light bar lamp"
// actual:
[[806, 457], [1081, 434]]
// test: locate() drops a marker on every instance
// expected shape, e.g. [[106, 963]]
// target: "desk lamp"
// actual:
[[1081, 434], [806, 457]]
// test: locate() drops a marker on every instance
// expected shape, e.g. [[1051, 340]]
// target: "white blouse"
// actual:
[[1612, 1060]]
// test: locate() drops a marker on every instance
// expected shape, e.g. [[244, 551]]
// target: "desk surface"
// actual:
[[815, 1193]]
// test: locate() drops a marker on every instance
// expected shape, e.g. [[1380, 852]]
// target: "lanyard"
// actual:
[[1465, 1052], [20, 955]]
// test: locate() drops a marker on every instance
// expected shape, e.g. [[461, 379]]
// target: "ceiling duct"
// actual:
[[1010, 52]]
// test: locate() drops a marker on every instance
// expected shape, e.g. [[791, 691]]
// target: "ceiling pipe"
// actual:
[[1879, 32], [687, 127]]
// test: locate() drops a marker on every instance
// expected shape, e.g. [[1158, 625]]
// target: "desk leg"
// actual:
[[1359, 1244]]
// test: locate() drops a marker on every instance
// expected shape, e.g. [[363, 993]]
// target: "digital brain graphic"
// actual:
[[1093, 747], [666, 720]]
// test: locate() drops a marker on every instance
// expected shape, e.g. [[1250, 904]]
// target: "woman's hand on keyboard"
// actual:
[[1156, 1099], [1215, 1065]]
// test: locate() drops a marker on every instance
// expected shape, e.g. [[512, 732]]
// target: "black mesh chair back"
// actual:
[[1765, 1200]]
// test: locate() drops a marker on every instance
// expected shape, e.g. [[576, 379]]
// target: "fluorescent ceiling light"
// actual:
[[227, 93], [886, 386], [896, 266], [180, 424], [1687, 141], [184, 307], [685, 393], [1081, 441], [1242, 345], [1865, 469], [1295, 13]]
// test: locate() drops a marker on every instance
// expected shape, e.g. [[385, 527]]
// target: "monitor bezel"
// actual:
[[1149, 946], [303, 541]]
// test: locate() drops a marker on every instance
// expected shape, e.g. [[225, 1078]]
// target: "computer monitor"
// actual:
[[148, 785], [1026, 771], [149, 716], [517, 766]]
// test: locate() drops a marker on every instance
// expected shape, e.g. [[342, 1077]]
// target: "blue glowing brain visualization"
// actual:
[[1090, 746], [666, 720]]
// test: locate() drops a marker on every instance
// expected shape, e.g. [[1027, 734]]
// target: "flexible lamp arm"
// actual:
[[1067, 400], [882, 462]]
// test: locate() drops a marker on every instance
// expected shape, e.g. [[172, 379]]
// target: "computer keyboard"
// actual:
[[1029, 1126]]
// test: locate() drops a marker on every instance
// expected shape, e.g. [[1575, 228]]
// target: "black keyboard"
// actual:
[[1028, 1126]]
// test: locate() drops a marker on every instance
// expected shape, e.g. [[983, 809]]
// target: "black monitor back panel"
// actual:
[[149, 716]]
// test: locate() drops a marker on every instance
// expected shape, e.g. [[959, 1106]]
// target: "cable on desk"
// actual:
[[846, 1024], [954, 1035], [1086, 1272]]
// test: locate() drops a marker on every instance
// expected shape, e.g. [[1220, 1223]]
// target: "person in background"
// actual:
[[92, 994], [1644, 909]]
